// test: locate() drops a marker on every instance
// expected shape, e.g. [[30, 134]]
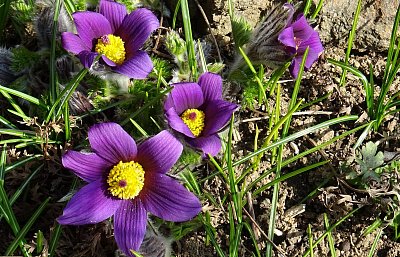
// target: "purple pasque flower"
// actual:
[[197, 111], [127, 181], [297, 37], [114, 34]]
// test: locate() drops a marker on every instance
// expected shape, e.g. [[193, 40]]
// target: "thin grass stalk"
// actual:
[[52, 63], [178, 5], [330, 229], [275, 194], [331, 242], [7, 123], [3, 162], [14, 104], [310, 240], [70, 7], [210, 232], [12, 220], [6, 91], [307, 7], [253, 238], [350, 41], [67, 123], [189, 38], [375, 243], [317, 9], [13, 246], [253, 70], [392, 43]]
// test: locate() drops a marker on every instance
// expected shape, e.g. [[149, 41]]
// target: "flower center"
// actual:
[[297, 41], [126, 180], [112, 47], [194, 119]]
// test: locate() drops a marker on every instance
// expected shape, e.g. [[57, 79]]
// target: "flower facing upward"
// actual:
[[297, 37], [126, 181], [114, 34], [197, 111]]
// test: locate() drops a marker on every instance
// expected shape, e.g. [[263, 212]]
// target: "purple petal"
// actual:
[[130, 222], [175, 122], [301, 29], [111, 142], [286, 37], [295, 66], [167, 199], [136, 28], [88, 166], [137, 67], [159, 153], [211, 85], [315, 49], [72, 43], [108, 61], [91, 204], [91, 26], [114, 12], [217, 113], [186, 96], [87, 58], [208, 145]]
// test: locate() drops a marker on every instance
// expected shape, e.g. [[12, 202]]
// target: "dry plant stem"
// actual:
[[281, 251], [209, 28], [159, 30], [251, 210]]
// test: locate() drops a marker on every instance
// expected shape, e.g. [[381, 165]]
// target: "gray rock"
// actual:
[[374, 25]]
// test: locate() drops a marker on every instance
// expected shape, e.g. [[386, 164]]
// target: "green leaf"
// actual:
[[369, 161]]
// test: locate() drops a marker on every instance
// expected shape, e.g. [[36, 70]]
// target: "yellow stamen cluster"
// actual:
[[112, 47], [126, 180], [194, 119]]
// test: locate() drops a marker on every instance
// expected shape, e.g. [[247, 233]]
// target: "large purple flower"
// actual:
[[114, 34], [297, 37], [198, 112], [126, 181]]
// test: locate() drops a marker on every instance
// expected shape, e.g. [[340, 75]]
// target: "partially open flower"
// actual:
[[115, 35], [197, 111], [297, 37], [127, 181]]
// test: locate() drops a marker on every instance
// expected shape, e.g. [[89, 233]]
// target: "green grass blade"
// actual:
[[12, 220], [307, 7], [375, 244], [52, 62], [3, 162], [19, 112], [7, 123], [24, 96], [350, 41], [310, 240], [331, 242], [13, 246], [64, 96], [317, 10], [189, 38]]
